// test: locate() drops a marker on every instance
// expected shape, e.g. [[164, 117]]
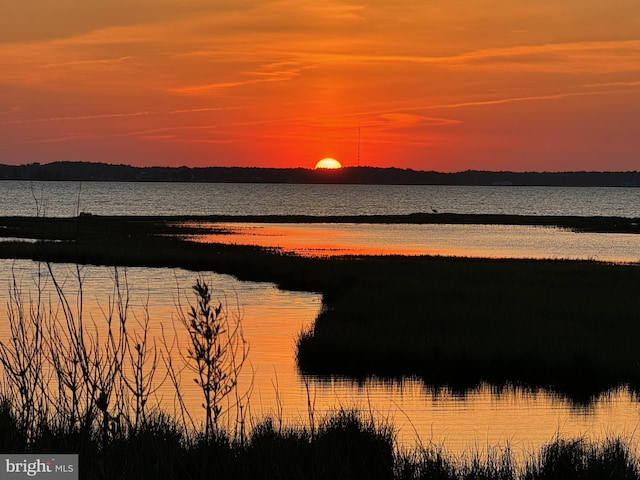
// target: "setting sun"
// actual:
[[328, 163]]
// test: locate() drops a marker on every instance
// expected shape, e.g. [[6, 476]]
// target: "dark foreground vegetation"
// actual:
[[343, 446]]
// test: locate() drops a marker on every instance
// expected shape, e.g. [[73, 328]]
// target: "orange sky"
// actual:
[[435, 85]]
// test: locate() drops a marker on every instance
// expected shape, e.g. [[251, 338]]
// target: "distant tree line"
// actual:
[[88, 171]]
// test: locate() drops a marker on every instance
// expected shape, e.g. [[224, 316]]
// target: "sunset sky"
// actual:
[[443, 85]]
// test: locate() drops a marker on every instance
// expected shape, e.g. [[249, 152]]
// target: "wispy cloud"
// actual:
[[632, 83], [168, 131], [406, 120], [212, 88], [102, 61], [499, 101], [274, 72], [593, 57], [114, 115]]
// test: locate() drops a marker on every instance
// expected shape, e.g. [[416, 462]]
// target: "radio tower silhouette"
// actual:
[[358, 144]]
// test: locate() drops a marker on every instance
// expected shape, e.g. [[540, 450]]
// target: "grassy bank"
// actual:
[[571, 326], [343, 445], [29, 226]]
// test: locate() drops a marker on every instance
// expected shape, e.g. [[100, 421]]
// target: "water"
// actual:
[[488, 241], [273, 318], [122, 198]]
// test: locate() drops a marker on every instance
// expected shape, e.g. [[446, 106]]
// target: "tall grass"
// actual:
[[215, 356], [63, 372], [343, 446], [66, 370]]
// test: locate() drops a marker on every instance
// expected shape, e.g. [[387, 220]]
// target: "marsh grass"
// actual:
[[72, 379], [215, 356], [344, 446], [569, 326], [565, 325], [65, 371], [583, 460]]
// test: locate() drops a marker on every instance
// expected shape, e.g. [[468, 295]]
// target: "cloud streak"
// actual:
[[107, 116]]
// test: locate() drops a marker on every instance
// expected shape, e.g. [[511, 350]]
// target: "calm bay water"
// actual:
[[121, 198], [273, 318]]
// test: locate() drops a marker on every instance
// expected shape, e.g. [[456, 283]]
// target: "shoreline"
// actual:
[[592, 224], [354, 175]]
